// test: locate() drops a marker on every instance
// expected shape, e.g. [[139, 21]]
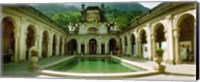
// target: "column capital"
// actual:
[[153, 37], [16, 35], [176, 33], [176, 29], [139, 40], [169, 17], [36, 37], [166, 35], [15, 30]]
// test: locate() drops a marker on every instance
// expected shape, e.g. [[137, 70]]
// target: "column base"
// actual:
[[177, 62], [170, 61], [160, 68], [150, 58]]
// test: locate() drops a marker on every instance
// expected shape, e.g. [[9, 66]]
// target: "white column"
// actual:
[[149, 42], [86, 48], [152, 46], [123, 46], [79, 47], [57, 46], [129, 47], [135, 53], [166, 53], [170, 40], [50, 45], [23, 43], [176, 39], [16, 57], [99, 47], [38, 43], [139, 47], [22, 40], [106, 48], [63, 46]]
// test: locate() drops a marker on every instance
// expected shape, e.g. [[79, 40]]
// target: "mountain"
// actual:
[[127, 6], [65, 13], [51, 9], [123, 6]]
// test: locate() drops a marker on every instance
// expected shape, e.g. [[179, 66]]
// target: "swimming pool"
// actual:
[[95, 67]]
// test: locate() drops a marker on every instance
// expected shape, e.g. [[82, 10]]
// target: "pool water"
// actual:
[[94, 65]]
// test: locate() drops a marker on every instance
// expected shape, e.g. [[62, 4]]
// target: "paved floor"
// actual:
[[173, 72], [20, 69]]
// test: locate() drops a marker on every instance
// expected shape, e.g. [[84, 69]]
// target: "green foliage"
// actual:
[[49, 13], [63, 15], [56, 8], [159, 52], [65, 18], [34, 52], [122, 18]]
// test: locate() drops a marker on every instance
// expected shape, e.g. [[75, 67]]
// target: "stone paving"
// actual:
[[20, 69], [173, 72]]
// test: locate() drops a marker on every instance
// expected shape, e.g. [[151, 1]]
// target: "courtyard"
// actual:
[[98, 40], [21, 70]]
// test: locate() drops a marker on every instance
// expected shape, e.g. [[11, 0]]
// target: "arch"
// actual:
[[92, 46], [45, 46], [8, 39], [30, 39], [11, 18], [54, 45], [32, 27], [160, 35], [142, 35], [143, 38], [112, 45], [156, 26], [186, 24], [180, 18], [160, 40], [72, 46]]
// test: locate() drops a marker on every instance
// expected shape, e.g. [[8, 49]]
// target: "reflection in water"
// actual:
[[93, 65]]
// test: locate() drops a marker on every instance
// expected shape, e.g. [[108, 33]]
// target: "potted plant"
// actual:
[[158, 56], [34, 59], [159, 59], [34, 55]]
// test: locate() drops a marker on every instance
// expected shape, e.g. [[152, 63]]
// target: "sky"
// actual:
[[147, 3], [150, 5]]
